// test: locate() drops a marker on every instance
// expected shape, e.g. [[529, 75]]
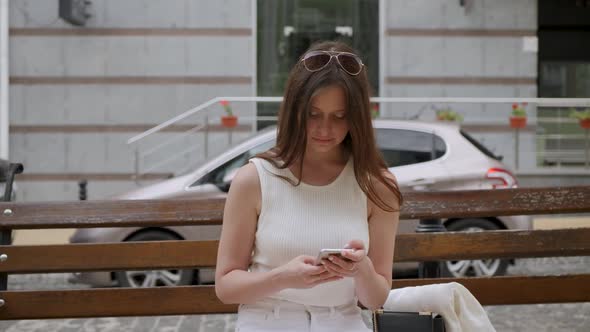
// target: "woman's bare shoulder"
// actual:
[[247, 178]]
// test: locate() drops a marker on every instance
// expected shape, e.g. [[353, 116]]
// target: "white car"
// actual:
[[423, 156]]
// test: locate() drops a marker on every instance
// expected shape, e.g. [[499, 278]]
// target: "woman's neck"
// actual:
[[336, 156]]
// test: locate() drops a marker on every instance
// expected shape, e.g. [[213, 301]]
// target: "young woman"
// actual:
[[324, 185]]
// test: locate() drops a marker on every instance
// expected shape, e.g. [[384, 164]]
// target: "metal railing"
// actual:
[[203, 122]]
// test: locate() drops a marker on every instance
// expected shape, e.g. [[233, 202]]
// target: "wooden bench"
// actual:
[[112, 302]]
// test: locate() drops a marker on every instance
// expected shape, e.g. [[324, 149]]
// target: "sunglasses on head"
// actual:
[[318, 60]]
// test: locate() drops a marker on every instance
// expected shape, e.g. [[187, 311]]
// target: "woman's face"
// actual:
[[327, 125]]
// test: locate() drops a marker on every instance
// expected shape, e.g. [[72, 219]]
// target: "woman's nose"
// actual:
[[326, 124]]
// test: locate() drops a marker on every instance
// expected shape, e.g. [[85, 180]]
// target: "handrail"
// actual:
[[566, 102], [198, 109]]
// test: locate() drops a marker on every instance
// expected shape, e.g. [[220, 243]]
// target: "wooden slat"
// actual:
[[112, 302], [202, 299], [116, 213], [505, 202], [492, 244], [109, 256], [518, 290], [138, 213], [194, 254]]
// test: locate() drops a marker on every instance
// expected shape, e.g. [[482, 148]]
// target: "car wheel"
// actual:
[[154, 278], [476, 267]]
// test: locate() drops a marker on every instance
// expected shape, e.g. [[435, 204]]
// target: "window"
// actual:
[[225, 173], [401, 147], [564, 72]]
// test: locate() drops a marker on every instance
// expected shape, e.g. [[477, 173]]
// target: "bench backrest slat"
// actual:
[[418, 205], [202, 300], [185, 254]]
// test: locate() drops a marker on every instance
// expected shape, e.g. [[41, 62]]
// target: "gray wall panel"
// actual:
[[492, 14], [459, 56], [133, 56], [38, 191], [138, 13], [39, 153], [114, 104], [101, 153], [473, 113]]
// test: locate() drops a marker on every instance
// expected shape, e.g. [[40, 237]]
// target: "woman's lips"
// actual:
[[322, 140]]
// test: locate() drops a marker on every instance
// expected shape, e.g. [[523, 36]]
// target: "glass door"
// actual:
[[286, 28]]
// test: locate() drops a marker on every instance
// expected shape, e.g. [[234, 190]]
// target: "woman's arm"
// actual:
[[373, 279], [233, 282]]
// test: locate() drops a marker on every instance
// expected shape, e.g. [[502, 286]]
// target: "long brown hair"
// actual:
[[360, 140]]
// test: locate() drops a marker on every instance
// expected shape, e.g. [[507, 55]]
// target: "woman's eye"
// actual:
[[340, 116], [313, 114]]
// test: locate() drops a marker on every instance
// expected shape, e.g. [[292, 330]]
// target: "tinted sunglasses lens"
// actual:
[[350, 63], [317, 61]]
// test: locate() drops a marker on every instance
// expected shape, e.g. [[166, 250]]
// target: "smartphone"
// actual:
[[325, 253]]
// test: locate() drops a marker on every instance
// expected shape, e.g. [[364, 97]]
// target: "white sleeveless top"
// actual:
[[301, 220]]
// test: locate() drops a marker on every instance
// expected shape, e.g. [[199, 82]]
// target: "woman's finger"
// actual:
[[343, 263], [348, 271]]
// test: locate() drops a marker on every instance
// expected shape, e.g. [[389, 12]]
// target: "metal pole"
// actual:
[[136, 164], [206, 137], [4, 114], [587, 149], [516, 135], [82, 190], [429, 269]]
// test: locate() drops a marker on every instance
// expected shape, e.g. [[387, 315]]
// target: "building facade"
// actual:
[[78, 93]]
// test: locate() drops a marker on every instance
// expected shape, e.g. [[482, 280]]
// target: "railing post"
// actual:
[[206, 137], [136, 164], [82, 189], [429, 269], [7, 172]]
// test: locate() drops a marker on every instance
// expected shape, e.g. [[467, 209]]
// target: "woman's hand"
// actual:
[[351, 264], [301, 272]]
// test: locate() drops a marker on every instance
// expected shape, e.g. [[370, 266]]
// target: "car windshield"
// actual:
[[480, 146]]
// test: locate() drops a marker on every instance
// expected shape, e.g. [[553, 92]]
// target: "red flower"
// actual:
[[224, 103], [514, 106]]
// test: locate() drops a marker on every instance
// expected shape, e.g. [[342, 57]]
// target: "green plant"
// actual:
[[447, 114], [518, 110], [375, 111], [227, 107], [580, 114]]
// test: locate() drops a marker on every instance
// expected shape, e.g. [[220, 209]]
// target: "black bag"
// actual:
[[394, 321]]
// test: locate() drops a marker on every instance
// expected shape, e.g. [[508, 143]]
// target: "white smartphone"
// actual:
[[325, 253]]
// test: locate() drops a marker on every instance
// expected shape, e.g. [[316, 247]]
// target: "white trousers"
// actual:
[[278, 315]]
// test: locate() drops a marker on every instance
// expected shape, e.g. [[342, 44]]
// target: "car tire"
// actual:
[[154, 278], [476, 267]]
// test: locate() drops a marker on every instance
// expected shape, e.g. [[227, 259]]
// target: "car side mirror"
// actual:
[[224, 186]]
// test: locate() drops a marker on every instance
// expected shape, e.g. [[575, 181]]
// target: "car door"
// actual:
[[415, 157]]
